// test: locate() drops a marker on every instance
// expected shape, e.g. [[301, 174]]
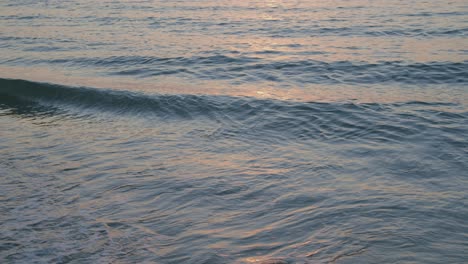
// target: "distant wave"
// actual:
[[366, 31]]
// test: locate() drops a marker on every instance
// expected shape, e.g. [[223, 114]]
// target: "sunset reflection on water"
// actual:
[[264, 33], [285, 131]]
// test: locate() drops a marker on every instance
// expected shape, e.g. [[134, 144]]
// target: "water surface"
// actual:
[[233, 132]]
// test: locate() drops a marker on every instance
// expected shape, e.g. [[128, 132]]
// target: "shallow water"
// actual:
[[221, 132]]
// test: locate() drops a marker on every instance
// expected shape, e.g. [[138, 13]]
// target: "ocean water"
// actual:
[[273, 131]]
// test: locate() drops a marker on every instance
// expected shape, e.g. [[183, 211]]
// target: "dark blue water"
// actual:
[[220, 132]]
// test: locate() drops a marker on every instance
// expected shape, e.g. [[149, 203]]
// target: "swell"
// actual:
[[346, 31], [252, 118], [248, 69], [115, 101], [339, 27]]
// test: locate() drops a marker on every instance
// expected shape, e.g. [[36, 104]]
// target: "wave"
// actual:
[[259, 119], [355, 31], [118, 102], [251, 69]]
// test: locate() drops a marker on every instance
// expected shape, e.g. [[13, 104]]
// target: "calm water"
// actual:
[[274, 131]]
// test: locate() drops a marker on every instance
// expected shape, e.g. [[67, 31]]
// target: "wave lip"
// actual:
[[118, 102]]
